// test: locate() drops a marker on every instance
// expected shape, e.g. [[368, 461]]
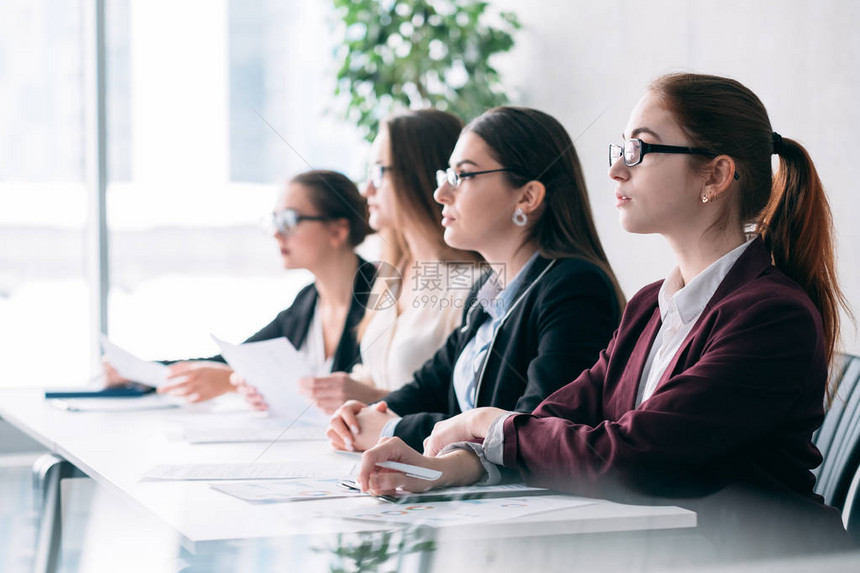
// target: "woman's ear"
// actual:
[[338, 232], [721, 173], [532, 195]]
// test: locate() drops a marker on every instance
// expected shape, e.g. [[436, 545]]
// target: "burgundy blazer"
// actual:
[[738, 404]]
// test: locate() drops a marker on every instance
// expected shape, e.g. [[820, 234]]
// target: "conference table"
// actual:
[[117, 447]]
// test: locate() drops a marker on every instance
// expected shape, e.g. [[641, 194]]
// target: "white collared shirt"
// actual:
[[680, 307]]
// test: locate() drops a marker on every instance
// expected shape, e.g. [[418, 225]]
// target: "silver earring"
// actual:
[[706, 198], [520, 219]]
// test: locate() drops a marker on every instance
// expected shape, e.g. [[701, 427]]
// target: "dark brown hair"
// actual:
[[421, 142], [534, 146], [790, 209], [334, 195]]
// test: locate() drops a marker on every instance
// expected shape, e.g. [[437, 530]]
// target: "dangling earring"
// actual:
[[520, 219], [706, 198]]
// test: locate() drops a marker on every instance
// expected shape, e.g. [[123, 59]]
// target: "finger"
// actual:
[[170, 388], [179, 368], [381, 406], [388, 482], [433, 445], [335, 440], [256, 400], [387, 449], [348, 412], [181, 390], [338, 427]]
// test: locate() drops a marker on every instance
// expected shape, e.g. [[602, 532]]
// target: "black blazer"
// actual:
[[563, 315], [295, 321]]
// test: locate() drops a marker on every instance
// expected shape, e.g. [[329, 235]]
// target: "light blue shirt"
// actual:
[[496, 302]]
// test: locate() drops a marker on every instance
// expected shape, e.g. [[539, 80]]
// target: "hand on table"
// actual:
[[458, 468], [466, 427], [197, 381], [355, 426]]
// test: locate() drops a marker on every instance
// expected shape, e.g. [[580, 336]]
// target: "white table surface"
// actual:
[[116, 448]]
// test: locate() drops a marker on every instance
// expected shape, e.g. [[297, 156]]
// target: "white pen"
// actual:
[[412, 471], [408, 469]]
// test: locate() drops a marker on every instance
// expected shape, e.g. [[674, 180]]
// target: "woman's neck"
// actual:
[[696, 254], [420, 247], [513, 259], [331, 278]]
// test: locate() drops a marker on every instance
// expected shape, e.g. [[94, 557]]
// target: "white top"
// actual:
[[313, 348], [394, 346], [680, 307]]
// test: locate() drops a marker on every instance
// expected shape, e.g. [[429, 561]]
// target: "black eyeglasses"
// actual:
[[284, 222], [635, 149], [454, 179], [376, 172]]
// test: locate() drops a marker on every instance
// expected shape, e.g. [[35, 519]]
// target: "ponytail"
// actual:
[[797, 227], [789, 208]]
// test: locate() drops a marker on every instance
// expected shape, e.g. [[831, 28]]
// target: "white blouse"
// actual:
[[394, 346], [313, 348]]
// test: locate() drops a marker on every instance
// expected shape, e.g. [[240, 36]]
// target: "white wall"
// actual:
[[576, 59]]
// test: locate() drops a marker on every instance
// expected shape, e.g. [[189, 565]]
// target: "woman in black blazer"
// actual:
[[547, 303], [317, 222]]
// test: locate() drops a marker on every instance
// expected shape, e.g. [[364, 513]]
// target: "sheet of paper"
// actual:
[[274, 367], [287, 490], [466, 511], [130, 366], [317, 469], [253, 433]]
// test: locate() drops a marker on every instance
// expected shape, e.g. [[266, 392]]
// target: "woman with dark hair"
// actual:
[[318, 220], [419, 297], [717, 375], [514, 192]]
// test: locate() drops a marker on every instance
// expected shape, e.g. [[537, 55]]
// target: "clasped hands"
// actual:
[[356, 426]]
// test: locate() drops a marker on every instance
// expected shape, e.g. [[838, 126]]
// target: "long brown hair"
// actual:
[[534, 146], [421, 142], [789, 209]]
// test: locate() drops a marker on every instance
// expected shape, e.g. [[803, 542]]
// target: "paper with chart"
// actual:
[[130, 366], [440, 513], [330, 468], [274, 367], [287, 490]]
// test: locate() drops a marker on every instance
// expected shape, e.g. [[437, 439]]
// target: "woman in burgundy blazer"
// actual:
[[722, 383]]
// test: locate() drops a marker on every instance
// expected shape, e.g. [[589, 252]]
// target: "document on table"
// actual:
[[253, 431], [466, 511], [274, 367], [316, 469], [130, 366], [287, 490]]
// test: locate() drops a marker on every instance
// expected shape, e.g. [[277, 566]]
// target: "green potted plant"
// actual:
[[420, 53]]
